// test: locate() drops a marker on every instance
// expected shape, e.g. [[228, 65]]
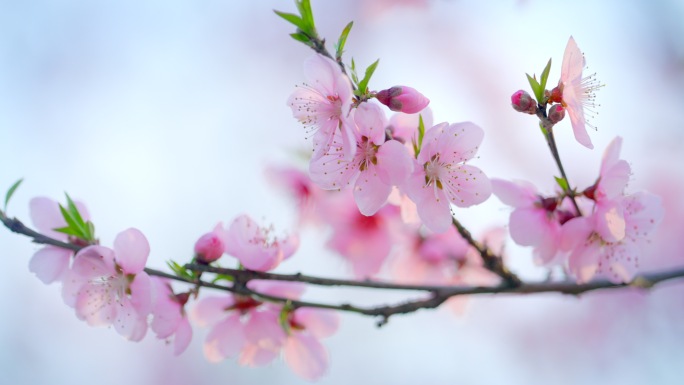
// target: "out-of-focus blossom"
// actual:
[[209, 247], [169, 316]]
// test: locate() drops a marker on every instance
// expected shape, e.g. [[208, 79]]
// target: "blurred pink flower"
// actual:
[[169, 317], [209, 247], [375, 168], [298, 185], [534, 221], [109, 287], [302, 349], [441, 175], [50, 263], [323, 104], [256, 247], [577, 91]]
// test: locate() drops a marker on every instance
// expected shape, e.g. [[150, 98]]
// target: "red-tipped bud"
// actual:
[[556, 113], [590, 192], [564, 216], [403, 99], [209, 248], [523, 102]]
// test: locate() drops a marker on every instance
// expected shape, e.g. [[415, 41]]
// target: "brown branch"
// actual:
[[437, 294]]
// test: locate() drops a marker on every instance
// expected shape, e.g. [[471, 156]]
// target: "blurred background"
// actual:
[[163, 115]]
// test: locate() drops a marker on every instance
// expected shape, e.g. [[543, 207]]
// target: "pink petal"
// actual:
[[433, 211], [225, 340], [431, 140], [182, 337], [331, 171], [370, 193], [520, 194], [131, 249], [95, 305], [94, 261], [211, 310], [254, 356], [622, 265], [573, 62], [395, 162], [576, 112], [371, 122], [467, 186], [139, 330], [305, 356], [461, 141], [610, 221], [645, 212], [583, 262], [127, 319], [529, 226], [71, 285], [320, 323], [575, 232], [50, 263], [141, 294], [614, 180], [611, 155], [46, 216], [291, 290], [405, 126]]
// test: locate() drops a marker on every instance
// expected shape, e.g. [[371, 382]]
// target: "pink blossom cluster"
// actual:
[[605, 239], [110, 287], [355, 146]]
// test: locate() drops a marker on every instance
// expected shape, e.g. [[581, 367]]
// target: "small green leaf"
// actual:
[[339, 47], [363, 84], [301, 37], [354, 76], [74, 227], [292, 18], [284, 317], [421, 130], [562, 183], [545, 76], [179, 270], [223, 277], [11, 191], [75, 214], [536, 88], [68, 231]]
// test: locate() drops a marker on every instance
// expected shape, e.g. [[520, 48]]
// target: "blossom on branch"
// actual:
[[323, 105], [109, 287], [169, 316], [441, 176]]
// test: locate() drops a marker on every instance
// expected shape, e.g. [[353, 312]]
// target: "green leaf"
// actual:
[[75, 214], [292, 18], [536, 88], [339, 47], [74, 227], [363, 84], [301, 37], [304, 7], [11, 191], [283, 317], [354, 76], [421, 130], [545, 76], [223, 277], [68, 231], [179, 270], [562, 183]]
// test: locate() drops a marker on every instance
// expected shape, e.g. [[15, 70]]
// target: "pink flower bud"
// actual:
[[556, 113], [209, 248], [523, 102], [403, 99]]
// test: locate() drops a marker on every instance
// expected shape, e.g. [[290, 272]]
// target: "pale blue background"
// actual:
[[162, 115]]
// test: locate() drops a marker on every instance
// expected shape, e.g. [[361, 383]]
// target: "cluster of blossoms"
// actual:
[[355, 145], [109, 287]]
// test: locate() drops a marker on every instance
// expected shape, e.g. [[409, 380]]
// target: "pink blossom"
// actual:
[[441, 175], [404, 127], [577, 91], [323, 104], [617, 259], [302, 349], [209, 247], [256, 247], [364, 241], [403, 99], [169, 317], [245, 326], [50, 263], [374, 169], [535, 220], [109, 287], [298, 185]]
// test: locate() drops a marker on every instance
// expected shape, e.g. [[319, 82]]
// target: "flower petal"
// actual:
[[305, 356], [131, 249], [50, 263]]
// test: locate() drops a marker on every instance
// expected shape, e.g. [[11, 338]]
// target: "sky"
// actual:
[[163, 115]]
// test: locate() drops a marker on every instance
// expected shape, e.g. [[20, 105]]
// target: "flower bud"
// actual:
[[209, 248], [403, 99], [523, 102], [556, 113]]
